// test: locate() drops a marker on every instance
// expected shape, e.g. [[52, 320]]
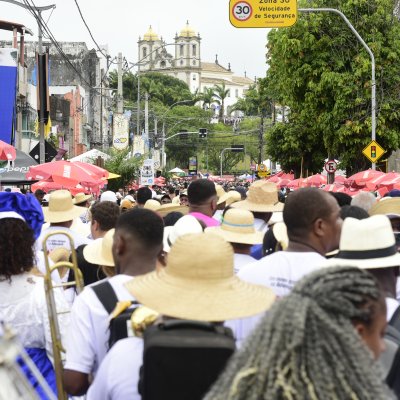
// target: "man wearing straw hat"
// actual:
[[137, 246], [181, 287], [83, 200]]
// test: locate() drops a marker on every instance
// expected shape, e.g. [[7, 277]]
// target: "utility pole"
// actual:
[[146, 117], [120, 102], [138, 100], [261, 140]]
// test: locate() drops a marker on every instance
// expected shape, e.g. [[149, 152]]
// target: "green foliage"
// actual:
[[220, 94], [322, 73], [120, 163]]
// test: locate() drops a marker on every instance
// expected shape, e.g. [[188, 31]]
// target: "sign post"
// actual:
[[373, 151], [147, 173], [330, 168]]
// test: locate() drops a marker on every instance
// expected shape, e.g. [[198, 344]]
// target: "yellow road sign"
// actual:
[[262, 13], [373, 151]]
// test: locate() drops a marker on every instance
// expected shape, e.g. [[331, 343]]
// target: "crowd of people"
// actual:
[[205, 292]]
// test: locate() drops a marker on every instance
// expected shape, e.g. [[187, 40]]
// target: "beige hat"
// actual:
[[99, 251], [184, 225], [165, 209], [387, 206], [126, 203], [61, 207], [152, 205], [199, 284], [59, 254], [237, 226], [367, 243], [280, 232], [261, 197], [81, 198], [229, 197], [220, 190]]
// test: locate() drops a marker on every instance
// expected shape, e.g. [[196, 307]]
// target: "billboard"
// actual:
[[120, 131], [8, 92], [147, 172]]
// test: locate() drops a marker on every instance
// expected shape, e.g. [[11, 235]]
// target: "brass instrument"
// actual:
[[14, 384], [58, 348], [141, 318]]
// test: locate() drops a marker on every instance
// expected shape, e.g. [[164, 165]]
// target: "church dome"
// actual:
[[187, 31], [150, 35]]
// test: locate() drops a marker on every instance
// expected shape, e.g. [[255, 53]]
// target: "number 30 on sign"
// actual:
[[242, 11]]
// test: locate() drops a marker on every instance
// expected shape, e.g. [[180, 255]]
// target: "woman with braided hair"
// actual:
[[317, 343]]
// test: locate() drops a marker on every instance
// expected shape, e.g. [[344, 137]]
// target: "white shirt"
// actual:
[[23, 306], [260, 225], [241, 260], [118, 375], [279, 271], [87, 341], [391, 307], [60, 240]]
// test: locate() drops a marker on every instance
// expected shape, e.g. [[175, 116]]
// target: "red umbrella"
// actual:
[[65, 173], [100, 172], [388, 179], [7, 152], [47, 185], [340, 179], [316, 180], [296, 183], [360, 178]]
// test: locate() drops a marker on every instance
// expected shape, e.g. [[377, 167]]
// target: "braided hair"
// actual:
[[306, 347]]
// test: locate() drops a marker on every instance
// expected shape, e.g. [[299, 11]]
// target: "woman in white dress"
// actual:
[[22, 295]]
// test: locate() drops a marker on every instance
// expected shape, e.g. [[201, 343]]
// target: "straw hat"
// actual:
[[280, 232], [387, 206], [59, 254], [125, 203], [184, 225], [367, 243], [261, 197], [99, 251], [61, 207], [199, 284], [152, 205], [229, 197], [81, 198], [237, 226], [220, 190], [165, 209]]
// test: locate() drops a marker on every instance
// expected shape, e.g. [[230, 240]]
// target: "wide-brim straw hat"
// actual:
[[367, 243], [99, 251], [280, 232], [165, 209], [199, 284], [61, 207], [386, 206], [229, 197], [81, 198], [185, 225], [261, 197], [153, 205], [237, 226]]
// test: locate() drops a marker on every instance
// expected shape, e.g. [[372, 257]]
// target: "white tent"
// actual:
[[90, 156], [177, 170]]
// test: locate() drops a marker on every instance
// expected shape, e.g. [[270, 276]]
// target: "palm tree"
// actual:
[[207, 97], [221, 93]]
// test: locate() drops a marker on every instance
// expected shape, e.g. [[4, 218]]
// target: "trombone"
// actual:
[[49, 285]]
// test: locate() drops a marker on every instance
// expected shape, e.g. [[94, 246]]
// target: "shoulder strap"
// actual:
[[395, 320], [105, 293]]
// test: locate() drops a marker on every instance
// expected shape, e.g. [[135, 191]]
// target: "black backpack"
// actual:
[[119, 325], [390, 359], [182, 359]]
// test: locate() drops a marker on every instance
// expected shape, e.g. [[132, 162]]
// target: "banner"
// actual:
[[8, 92], [120, 131], [147, 173], [193, 165]]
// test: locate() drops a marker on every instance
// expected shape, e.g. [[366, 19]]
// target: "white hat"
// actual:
[[184, 225], [130, 198], [152, 204], [108, 196], [99, 251], [367, 243]]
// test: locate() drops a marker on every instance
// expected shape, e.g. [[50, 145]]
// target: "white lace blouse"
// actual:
[[23, 307]]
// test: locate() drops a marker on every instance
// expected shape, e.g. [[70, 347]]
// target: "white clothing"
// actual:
[[279, 271], [391, 307], [23, 306], [260, 225], [241, 260], [87, 341], [60, 240], [218, 215], [118, 375]]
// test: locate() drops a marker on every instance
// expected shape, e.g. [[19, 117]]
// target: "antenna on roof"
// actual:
[[216, 59], [229, 66], [245, 74]]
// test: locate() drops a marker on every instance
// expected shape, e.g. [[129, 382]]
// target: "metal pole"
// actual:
[[120, 102], [369, 51], [41, 111], [163, 159], [146, 119], [138, 101]]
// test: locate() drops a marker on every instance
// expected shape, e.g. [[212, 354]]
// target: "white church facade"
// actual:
[[186, 64]]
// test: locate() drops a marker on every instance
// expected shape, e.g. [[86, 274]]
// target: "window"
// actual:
[[236, 92], [194, 62], [194, 77], [162, 64], [144, 52], [181, 50], [229, 93], [181, 62], [194, 48]]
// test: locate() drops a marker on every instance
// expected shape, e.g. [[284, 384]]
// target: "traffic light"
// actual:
[[202, 133], [373, 151], [183, 134], [237, 148]]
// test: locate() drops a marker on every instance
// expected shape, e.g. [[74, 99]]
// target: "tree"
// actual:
[[221, 93], [207, 97], [319, 70]]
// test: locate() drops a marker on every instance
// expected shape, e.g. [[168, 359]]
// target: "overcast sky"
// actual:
[[119, 23]]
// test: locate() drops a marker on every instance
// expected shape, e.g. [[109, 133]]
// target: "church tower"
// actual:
[[148, 49]]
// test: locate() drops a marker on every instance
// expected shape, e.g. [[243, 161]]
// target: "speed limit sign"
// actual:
[[242, 10]]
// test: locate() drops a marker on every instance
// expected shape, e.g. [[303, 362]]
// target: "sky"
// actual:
[[119, 23]]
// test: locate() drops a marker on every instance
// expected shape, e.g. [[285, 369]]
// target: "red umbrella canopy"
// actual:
[[100, 172], [360, 178], [316, 180], [296, 183], [63, 172], [7, 152], [388, 179]]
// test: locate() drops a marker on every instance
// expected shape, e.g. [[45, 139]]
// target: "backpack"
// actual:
[[182, 359], [120, 326], [390, 359]]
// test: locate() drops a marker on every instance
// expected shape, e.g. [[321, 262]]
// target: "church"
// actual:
[[185, 64]]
